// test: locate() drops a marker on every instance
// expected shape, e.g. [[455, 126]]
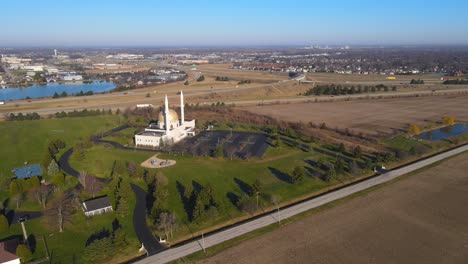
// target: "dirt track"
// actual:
[[371, 116], [421, 219]]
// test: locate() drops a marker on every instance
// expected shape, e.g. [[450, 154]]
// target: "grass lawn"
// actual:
[[100, 158], [27, 140], [223, 174], [402, 142], [124, 137]]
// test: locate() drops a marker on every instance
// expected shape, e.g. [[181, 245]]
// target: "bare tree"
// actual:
[[89, 182], [163, 223], [61, 210], [41, 194], [172, 223]]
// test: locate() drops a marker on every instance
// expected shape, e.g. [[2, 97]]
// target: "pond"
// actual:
[[444, 132], [48, 90]]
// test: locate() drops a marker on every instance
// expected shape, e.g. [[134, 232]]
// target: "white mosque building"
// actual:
[[169, 129]]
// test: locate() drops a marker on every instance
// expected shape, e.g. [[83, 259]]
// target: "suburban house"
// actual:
[[8, 252], [97, 206]]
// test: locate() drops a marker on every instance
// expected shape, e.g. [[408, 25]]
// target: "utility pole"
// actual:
[[257, 200], [24, 231], [203, 242]]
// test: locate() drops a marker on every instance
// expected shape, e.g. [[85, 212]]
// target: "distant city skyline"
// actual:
[[232, 23]]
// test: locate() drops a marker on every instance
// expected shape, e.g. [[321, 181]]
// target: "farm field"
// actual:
[[419, 219], [370, 116]]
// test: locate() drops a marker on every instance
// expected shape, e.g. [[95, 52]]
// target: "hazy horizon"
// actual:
[[260, 23]]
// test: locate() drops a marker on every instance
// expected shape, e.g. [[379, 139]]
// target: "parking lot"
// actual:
[[235, 144]]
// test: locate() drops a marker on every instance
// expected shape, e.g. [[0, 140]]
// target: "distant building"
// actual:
[[27, 171], [97, 206], [71, 77], [8, 252]]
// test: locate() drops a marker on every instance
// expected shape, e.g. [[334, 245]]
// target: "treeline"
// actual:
[[65, 94], [222, 78], [125, 88], [332, 89], [457, 81], [22, 117], [82, 113], [418, 81], [199, 201], [244, 82]]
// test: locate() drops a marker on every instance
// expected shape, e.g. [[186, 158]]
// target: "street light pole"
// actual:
[[203, 242], [257, 201]]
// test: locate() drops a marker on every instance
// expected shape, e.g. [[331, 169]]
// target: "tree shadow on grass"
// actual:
[[245, 187], [100, 234], [233, 198], [280, 175]]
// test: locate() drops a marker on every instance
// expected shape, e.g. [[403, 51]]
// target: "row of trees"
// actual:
[[332, 89], [415, 130], [22, 117], [120, 186], [106, 247], [222, 78], [84, 112], [457, 81], [244, 82], [418, 81], [65, 94]]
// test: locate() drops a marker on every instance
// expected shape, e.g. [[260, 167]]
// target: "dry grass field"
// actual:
[[370, 116], [420, 219], [214, 70]]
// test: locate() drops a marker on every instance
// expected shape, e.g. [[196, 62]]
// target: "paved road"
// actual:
[[13, 215], [123, 102], [139, 223], [216, 238]]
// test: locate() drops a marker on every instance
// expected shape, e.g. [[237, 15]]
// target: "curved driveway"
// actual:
[[271, 218], [139, 223]]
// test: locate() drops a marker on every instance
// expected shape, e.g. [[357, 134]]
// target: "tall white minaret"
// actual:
[[166, 114], [55, 53], [182, 116]]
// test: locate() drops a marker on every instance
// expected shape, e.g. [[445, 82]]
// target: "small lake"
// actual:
[[444, 132], [48, 90]]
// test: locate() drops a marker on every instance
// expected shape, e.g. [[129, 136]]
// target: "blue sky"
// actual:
[[232, 23]]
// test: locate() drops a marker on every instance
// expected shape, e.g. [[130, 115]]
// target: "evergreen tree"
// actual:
[[297, 174], [357, 152], [24, 253], [331, 174], [339, 166], [53, 168], [3, 224]]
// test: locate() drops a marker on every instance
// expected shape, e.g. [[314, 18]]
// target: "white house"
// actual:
[[97, 206]]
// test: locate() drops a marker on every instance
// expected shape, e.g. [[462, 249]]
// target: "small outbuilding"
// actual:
[[97, 206]]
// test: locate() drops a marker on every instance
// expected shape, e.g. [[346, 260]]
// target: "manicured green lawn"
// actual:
[[124, 137], [222, 174], [27, 140], [99, 159]]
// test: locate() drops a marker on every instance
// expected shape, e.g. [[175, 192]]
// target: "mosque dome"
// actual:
[[173, 116]]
